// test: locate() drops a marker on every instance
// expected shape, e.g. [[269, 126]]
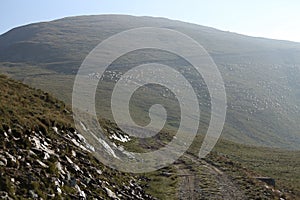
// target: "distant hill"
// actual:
[[261, 75]]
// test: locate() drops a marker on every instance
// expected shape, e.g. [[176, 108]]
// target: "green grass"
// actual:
[[25, 108], [22, 105], [253, 69], [261, 75], [162, 186], [282, 165], [265, 127]]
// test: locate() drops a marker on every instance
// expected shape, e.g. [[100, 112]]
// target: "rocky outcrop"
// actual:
[[59, 164]]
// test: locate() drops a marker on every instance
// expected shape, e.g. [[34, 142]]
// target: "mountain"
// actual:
[[261, 75], [42, 156]]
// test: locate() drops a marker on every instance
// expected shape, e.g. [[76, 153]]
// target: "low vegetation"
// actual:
[[24, 110]]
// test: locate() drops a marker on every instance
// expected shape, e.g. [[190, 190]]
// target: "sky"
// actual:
[[276, 19]]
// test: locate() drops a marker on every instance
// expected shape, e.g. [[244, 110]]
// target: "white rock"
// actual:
[[90, 147], [73, 153], [69, 160], [33, 194], [81, 192], [81, 138], [13, 159], [76, 167], [99, 171], [59, 168], [41, 146], [5, 134], [46, 156], [3, 161], [75, 142], [55, 129], [56, 183], [46, 144], [83, 148], [58, 190], [110, 193], [119, 137], [42, 164], [36, 141], [108, 148]]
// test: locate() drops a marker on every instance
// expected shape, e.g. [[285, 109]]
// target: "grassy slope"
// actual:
[[22, 105], [260, 74], [26, 113], [25, 108], [283, 166]]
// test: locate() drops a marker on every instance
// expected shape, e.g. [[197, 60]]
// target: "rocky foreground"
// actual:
[[58, 164], [43, 157]]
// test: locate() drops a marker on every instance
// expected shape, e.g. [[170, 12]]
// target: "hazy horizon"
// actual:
[[269, 19]]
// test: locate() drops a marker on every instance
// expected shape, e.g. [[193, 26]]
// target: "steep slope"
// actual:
[[42, 156], [261, 75]]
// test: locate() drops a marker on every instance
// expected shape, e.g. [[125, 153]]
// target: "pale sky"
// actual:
[[277, 19]]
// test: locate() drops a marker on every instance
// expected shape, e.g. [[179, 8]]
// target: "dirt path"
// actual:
[[205, 182], [187, 184]]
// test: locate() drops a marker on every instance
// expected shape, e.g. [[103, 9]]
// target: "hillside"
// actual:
[[261, 75], [43, 156]]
